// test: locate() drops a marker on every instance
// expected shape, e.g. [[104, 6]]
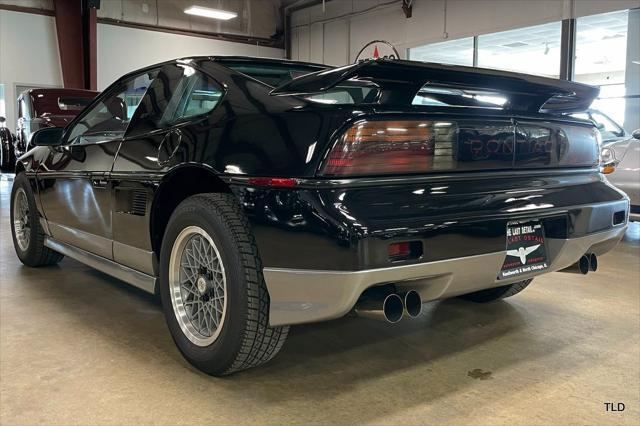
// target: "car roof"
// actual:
[[222, 59]]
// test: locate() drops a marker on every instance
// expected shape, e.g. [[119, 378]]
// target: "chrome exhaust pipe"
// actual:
[[593, 262], [412, 303], [582, 266], [389, 308]]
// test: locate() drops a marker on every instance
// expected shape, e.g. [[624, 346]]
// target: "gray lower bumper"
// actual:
[[301, 296]]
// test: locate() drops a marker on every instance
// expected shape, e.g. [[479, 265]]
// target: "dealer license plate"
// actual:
[[526, 251]]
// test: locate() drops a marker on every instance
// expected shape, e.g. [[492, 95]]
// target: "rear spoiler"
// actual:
[[399, 81]]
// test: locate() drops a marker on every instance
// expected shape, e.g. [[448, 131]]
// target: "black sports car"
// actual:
[[254, 194]]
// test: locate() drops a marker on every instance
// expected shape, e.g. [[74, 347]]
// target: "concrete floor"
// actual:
[[78, 347]]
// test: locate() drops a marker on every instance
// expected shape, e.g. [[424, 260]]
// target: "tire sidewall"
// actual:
[[21, 181], [220, 354]]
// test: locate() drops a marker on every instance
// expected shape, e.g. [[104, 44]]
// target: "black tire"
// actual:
[[35, 254], [245, 340], [497, 293]]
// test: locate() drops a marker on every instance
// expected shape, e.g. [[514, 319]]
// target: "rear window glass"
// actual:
[[347, 94], [273, 75], [430, 95]]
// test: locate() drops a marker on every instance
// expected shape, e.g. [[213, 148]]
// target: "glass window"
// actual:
[[195, 95], [177, 94], [73, 104], [453, 52], [271, 74], [346, 94], [530, 50], [602, 60], [109, 118]]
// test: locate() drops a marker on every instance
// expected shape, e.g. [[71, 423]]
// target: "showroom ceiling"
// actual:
[[259, 19]]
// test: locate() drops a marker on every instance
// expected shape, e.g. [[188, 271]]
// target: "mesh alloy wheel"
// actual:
[[21, 223], [214, 297], [197, 286]]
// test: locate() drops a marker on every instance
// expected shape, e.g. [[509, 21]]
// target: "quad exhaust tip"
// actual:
[[412, 303], [593, 262], [587, 262], [391, 307]]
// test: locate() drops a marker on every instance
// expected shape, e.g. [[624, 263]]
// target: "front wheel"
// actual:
[[497, 293], [28, 235], [213, 294]]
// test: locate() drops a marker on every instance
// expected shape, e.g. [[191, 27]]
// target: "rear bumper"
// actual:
[[301, 296], [322, 244]]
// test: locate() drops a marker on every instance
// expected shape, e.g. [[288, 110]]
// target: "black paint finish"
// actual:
[[349, 228], [510, 165]]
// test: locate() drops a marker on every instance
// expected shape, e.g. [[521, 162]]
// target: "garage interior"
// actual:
[[80, 347]]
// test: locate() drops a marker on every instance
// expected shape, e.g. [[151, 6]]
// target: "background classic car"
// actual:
[[251, 200], [608, 128], [39, 108]]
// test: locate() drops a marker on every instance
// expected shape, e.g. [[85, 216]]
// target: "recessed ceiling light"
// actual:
[[210, 13]]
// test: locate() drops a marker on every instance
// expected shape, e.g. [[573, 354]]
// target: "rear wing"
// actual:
[[399, 81]]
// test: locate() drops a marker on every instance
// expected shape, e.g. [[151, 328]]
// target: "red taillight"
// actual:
[[404, 251], [399, 250], [383, 147], [273, 182]]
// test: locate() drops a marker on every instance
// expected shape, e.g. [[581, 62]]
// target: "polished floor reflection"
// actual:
[[79, 347]]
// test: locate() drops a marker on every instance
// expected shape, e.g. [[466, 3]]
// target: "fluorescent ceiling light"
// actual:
[[210, 13]]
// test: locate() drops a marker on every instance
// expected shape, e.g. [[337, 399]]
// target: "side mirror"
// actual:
[[49, 136], [608, 161], [2, 119], [636, 134]]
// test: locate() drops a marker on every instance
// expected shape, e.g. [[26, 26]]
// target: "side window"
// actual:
[[109, 118], [178, 93], [200, 96]]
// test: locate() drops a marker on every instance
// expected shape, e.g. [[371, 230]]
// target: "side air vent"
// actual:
[[139, 202]]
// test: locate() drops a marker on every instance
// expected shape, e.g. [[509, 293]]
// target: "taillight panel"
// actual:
[[381, 147]]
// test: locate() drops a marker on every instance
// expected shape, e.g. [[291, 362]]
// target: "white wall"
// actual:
[[122, 49], [29, 52], [358, 25], [28, 55]]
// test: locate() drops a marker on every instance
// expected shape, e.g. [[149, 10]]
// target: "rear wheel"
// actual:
[[213, 294], [28, 236], [497, 293]]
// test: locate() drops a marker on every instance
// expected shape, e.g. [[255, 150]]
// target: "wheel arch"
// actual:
[[179, 184]]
